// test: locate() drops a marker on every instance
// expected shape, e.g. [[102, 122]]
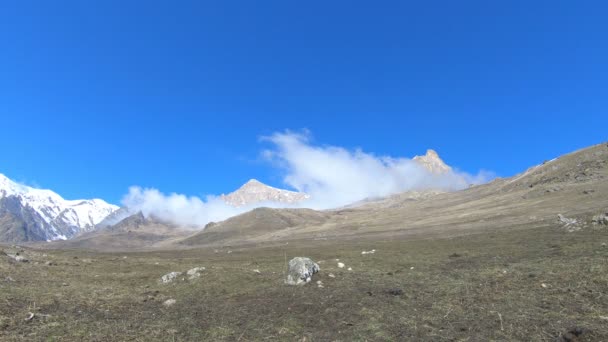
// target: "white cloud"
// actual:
[[332, 176], [335, 176]]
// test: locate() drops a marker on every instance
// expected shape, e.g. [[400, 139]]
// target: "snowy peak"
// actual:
[[432, 162], [52, 215], [255, 191]]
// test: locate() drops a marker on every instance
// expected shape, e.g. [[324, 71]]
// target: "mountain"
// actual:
[[432, 162], [133, 232], [29, 214], [574, 186], [256, 192]]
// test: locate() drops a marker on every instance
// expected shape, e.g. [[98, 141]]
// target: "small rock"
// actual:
[[256, 271], [572, 334], [169, 302], [169, 277], [9, 279], [350, 268], [19, 258], [194, 273], [65, 284], [341, 265], [544, 286], [331, 275], [411, 268], [395, 292]]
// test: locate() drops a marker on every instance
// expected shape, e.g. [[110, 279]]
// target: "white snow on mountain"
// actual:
[[64, 218]]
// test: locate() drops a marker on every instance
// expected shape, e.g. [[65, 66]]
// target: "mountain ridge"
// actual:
[[45, 215]]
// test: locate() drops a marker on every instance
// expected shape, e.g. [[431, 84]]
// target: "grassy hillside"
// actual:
[[517, 284]]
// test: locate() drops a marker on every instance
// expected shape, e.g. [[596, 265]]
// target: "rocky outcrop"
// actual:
[[432, 162], [257, 192]]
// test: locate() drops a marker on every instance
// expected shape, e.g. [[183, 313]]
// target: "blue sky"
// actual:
[[98, 96]]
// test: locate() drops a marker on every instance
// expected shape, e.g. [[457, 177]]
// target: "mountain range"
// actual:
[[29, 214], [556, 193]]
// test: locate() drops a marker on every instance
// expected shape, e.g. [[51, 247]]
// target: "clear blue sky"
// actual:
[[96, 96]]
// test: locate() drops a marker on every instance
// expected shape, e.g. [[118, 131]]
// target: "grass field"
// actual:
[[526, 284]]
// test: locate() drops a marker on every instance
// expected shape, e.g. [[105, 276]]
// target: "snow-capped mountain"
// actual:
[[432, 162], [40, 214], [255, 191]]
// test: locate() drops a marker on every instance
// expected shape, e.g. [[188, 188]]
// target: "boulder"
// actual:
[[169, 277], [301, 270]]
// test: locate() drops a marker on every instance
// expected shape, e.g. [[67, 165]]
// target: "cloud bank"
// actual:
[[332, 176], [335, 176]]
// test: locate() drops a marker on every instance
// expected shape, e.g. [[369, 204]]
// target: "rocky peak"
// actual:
[[255, 191], [432, 162]]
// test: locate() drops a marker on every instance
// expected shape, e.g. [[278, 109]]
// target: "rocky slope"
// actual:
[[29, 214], [571, 188]]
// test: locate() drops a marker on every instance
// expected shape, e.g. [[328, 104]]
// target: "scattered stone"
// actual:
[[604, 244], [411, 268], [571, 224], [341, 265], [601, 219], [256, 271], [194, 273], [30, 316], [50, 263], [373, 251], [9, 279], [169, 302], [544, 286], [17, 257], [572, 334], [603, 318], [350, 268], [320, 284], [169, 277], [395, 292], [65, 284], [301, 270], [331, 275]]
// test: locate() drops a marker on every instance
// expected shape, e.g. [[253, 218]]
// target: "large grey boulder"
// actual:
[[301, 270]]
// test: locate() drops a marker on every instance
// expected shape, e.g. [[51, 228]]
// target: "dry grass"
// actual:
[[482, 287]]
